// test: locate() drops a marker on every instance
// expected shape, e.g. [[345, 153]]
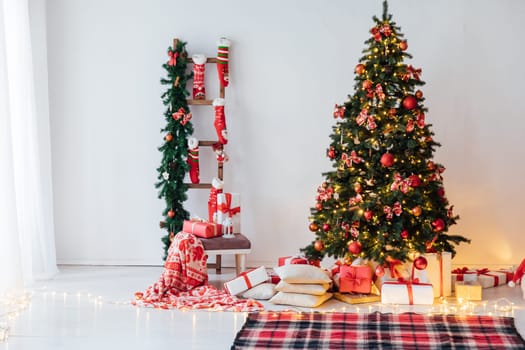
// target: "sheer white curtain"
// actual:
[[27, 243]]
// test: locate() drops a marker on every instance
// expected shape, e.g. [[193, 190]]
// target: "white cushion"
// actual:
[[262, 291], [304, 288], [298, 299], [302, 274]]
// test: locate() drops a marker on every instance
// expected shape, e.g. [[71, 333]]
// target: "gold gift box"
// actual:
[[354, 298], [469, 290]]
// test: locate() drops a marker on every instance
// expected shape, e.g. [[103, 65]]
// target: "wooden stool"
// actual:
[[239, 245]]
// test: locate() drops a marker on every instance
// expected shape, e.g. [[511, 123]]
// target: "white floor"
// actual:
[[88, 308]]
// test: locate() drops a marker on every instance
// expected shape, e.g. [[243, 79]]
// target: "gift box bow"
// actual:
[[226, 208], [461, 272], [355, 276]]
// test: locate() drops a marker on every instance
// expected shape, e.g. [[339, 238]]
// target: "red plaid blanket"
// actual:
[[337, 330]]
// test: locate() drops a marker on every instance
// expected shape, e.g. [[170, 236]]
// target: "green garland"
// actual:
[[173, 167]]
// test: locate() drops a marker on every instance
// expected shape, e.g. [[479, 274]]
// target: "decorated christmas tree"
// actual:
[[178, 127], [385, 198]]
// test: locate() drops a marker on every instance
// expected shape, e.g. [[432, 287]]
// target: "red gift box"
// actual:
[[201, 229], [292, 260], [274, 278], [357, 279]]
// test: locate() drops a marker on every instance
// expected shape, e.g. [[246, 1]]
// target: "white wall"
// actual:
[[290, 62]]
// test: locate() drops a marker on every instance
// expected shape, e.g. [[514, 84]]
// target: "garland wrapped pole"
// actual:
[[174, 166]]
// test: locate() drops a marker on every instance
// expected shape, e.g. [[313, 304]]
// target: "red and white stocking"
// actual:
[[220, 120], [216, 188], [193, 159], [199, 91], [222, 61]]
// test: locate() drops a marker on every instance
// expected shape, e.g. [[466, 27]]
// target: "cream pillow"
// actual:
[[297, 299], [302, 274], [304, 288], [262, 291]]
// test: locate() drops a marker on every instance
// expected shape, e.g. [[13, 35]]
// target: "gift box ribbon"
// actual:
[[461, 272], [246, 278], [226, 208], [194, 223], [409, 285], [485, 272], [352, 276]]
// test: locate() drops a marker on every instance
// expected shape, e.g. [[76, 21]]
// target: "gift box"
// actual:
[[468, 290], [438, 273], [235, 212], [408, 293], [357, 279], [489, 279], [246, 280], [291, 260], [462, 274], [351, 298], [201, 228], [356, 298], [229, 212]]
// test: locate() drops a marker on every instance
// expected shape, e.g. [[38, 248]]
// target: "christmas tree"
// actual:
[[178, 127], [385, 198]]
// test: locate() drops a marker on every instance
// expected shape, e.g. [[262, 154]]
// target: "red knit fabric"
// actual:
[[183, 283]]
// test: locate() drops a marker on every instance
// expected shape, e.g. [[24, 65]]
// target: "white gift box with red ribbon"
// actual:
[[489, 279], [407, 293], [229, 212], [246, 280]]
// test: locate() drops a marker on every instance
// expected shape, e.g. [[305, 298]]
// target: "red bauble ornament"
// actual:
[[414, 180], [409, 102], [380, 271], [404, 234], [419, 94], [368, 214], [168, 137], [439, 225], [367, 84], [358, 188], [403, 45], [417, 210], [387, 160], [318, 245], [360, 68], [354, 247], [420, 263], [431, 165], [313, 227], [331, 153], [318, 206], [441, 192], [171, 214], [326, 227]]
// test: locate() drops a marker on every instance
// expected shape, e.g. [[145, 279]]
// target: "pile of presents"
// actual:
[[299, 282]]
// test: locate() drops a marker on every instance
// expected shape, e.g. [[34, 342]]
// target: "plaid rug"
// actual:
[[337, 330]]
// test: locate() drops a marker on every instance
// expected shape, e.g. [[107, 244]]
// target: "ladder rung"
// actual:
[[208, 60], [208, 143], [200, 102], [199, 186]]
